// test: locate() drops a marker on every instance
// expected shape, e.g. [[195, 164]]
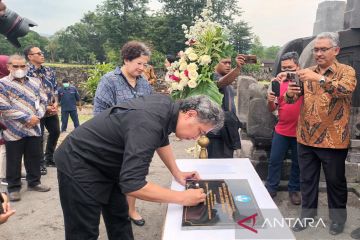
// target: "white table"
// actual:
[[237, 168]]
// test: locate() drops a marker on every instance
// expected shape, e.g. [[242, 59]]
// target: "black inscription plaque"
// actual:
[[227, 202]]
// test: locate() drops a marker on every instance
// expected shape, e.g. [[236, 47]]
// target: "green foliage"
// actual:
[[250, 69], [100, 34], [271, 52], [95, 75], [263, 52], [157, 59]]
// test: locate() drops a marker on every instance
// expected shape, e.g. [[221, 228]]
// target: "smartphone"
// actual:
[[275, 87], [250, 59], [292, 76]]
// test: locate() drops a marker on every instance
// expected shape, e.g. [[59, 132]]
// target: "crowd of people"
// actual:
[[102, 165]]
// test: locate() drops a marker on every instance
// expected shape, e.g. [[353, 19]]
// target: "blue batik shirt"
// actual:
[[114, 89], [48, 79]]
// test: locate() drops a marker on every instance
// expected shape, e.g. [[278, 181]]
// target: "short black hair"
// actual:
[[65, 80], [134, 49], [290, 56], [27, 50]]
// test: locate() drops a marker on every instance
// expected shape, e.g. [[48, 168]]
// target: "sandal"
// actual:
[[43, 170]]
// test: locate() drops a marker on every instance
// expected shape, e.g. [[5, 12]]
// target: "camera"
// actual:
[[292, 76], [250, 59], [13, 26]]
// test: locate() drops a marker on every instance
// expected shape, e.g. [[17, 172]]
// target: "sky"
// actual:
[[275, 21]]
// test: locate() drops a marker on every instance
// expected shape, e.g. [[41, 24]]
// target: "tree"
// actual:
[[257, 48], [271, 52], [240, 37]]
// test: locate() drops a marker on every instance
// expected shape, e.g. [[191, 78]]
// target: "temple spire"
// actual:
[[208, 3]]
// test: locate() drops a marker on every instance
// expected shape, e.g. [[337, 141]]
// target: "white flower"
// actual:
[[174, 86], [192, 67], [183, 78], [189, 50], [181, 54], [205, 60], [183, 66], [184, 26], [193, 75], [193, 56], [192, 84], [177, 74]]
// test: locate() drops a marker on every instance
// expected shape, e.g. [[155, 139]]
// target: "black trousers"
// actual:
[[333, 163], [53, 126], [30, 148], [217, 148], [82, 213]]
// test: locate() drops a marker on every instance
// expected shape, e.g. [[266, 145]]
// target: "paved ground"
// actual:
[[39, 215]]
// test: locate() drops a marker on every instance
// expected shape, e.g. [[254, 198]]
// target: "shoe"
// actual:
[[300, 225], [356, 233], [50, 164], [140, 222], [14, 196], [4, 182], [39, 188], [336, 228], [43, 170], [273, 194], [295, 198]]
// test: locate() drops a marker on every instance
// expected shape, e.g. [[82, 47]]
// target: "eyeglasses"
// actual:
[[38, 53], [322, 50], [19, 66]]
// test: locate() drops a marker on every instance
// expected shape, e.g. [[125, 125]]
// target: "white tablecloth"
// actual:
[[237, 168]]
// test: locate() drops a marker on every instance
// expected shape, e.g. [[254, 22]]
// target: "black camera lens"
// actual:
[[14, 26]]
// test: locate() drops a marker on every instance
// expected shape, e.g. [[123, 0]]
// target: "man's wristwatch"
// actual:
[[322, 80]]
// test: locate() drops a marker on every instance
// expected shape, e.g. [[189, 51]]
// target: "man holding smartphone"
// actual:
[[284, 137]]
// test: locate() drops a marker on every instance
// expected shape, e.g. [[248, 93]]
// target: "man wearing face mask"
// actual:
[[68, 98], [22, 105], [50, 121]]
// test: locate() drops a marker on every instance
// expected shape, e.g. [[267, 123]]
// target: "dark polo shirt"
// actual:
[[117, 146]]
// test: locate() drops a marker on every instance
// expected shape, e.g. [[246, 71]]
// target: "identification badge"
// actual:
[[37, 104]]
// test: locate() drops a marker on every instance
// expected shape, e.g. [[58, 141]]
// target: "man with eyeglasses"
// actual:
[[51, 120], [323, 133], [22, 105]]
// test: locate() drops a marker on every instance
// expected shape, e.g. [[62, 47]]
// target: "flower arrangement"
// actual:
[[192, 74]]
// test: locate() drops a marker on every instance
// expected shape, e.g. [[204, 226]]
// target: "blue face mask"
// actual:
[[66, 85]]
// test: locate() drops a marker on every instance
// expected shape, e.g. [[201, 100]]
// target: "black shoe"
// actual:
[[300, 225], [336, 228], [140, 222], [14, 196], [273, 194], [356, 233], [295, 198], [39, 188], [43, 170], [50, 164]]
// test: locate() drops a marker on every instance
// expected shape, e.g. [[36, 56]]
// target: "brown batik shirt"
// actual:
[[325, 113]]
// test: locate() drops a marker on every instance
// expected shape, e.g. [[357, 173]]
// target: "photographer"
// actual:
[[5, 209], [284, 137], [224, 76], [323, 134]]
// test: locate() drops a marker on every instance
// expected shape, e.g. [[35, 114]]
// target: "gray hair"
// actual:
[[208, 111], [15, 57], [332, 36], [290, 56]]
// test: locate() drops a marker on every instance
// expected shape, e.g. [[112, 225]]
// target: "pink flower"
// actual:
[[175, 78], [186, 72]]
